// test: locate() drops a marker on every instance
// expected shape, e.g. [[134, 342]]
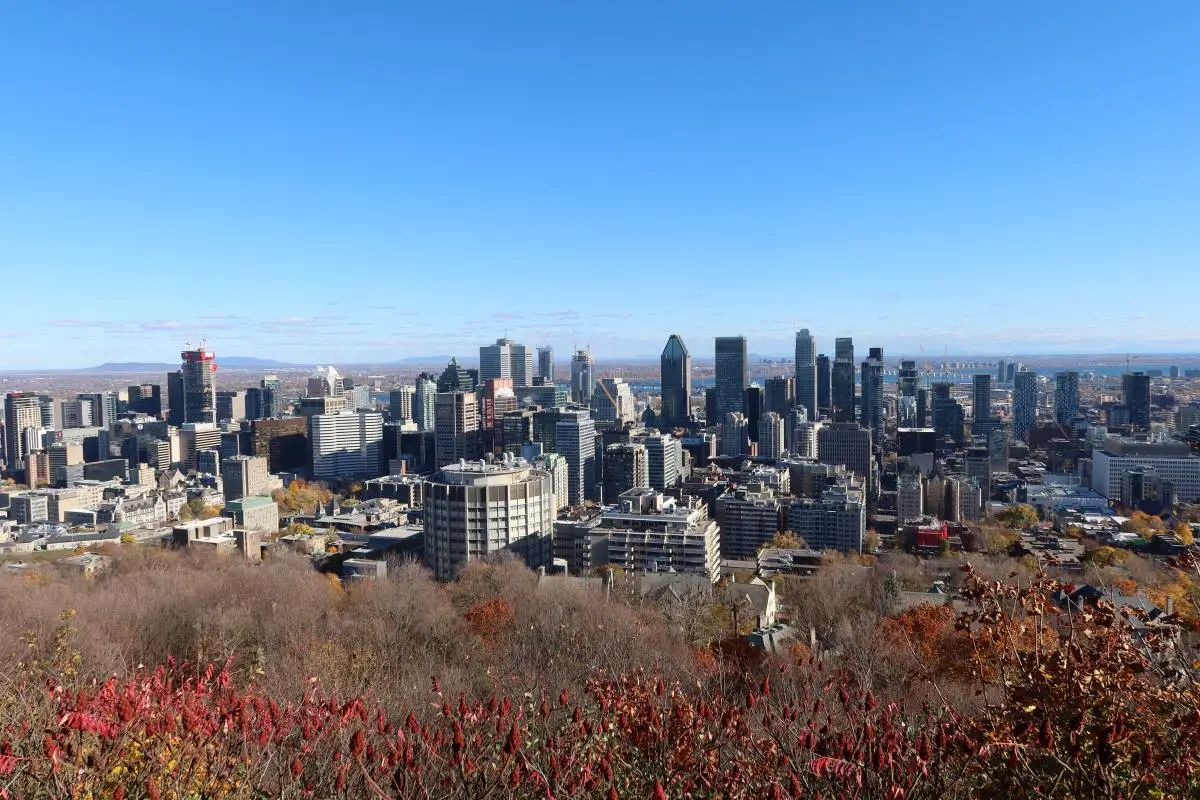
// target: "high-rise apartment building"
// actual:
[[664, 459], [806, 372], [676, 375], [734, 435], [1024, 403], [732, 374], [981, 397], [104, 408], [770, 435], [1066, 397], [425, 403], [199, 391], [347, 445], [145, 398], [245, 476], [779, 394], [22, 413], [625, 468], [400, 403], [835, 521], [750, 516], [545, 364], [477, 509], [575, 440], [1136, 394], [582, 380], [872, 394], [77, 413], [457, 427]]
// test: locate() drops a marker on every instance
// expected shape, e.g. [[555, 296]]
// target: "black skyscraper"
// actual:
[[823, 382], [1137, 398], [731, 373], [754, 411], [676, 374]]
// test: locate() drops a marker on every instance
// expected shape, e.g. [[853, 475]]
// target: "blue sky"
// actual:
[[368, 181]]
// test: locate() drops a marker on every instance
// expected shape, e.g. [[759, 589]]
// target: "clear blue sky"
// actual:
[[349, 181]]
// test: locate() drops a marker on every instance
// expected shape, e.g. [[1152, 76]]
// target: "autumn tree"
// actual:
[[1018, 516]]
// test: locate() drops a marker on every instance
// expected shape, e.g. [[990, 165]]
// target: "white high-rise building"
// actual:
[[476, 509], [346, 445], [652, 533], [457, 427], [326, 382], [506, 359], [910, 498], [664, 459]]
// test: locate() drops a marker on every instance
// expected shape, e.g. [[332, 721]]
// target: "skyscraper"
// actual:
[[1001, 371], [806, 372], [545, 364], [906, 379], [175, 404], [734, 439], [676, 373], [455, 378], [104, 408], [753, 405], [506, 360], [326, 382], [1024, 403], [731, 374], [199, 391], [1136, 386], [575, 440], [824, 392], [779, 394], [456, 427], [625, 468], [612, 403], [981, 396], [1066, 397], [582, 380], [872, 394], [842, 381], [400, 403]]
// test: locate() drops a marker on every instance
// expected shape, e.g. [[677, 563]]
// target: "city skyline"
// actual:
[[322, 174]]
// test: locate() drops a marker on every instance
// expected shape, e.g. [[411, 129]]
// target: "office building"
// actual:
[[245, 476], [981, 397], [752, 407], [1001, 371], [749, 517], [22, 414], [837, 520], [175, 402], [907, 378], [145, 398], [770, 435], [477, 509], [199, 391], [77, 413], [582, 379], [806, 372], [1024, 403], [647, 532], [455, 378], [195, 438], [262, 403], [824, 383], [664, 459], [514, 430], [326, 382], [924, 410], [545, 364], [283, 442], [1066, 397], [348, 445], [872, 394], [735, 440], [506, 360], [612, 403], [1136, 395], [575, 440], [425, 403], [676, 375], [457, 427], [104, 408], [625, 468], [847, 444], [842, 381], [779, 394], [1173, 462], [731, 375], [231, 405]]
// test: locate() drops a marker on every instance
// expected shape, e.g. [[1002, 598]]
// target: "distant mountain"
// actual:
[[423, 360], [228, 362]]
